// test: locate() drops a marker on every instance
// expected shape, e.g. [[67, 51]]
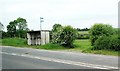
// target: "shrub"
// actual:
[[56, 27], [102, 43], [55, 34], [115, 42], [107, 42], [67, 36], [63, 35], [99, 30]]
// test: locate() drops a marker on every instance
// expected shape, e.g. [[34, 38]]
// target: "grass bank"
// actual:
[[80, 46], [18, 42], [85, 47]]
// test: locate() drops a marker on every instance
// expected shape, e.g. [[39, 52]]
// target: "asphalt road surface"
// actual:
[[28, 58]]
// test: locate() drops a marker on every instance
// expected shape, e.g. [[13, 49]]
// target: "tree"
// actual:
[[78, 29], [84, 29], [17, 28], [1, 29], [99, 30], [67, 36], [56, 27], [22, 27], [4, 34], [1, 26], [21, 23], [63, 35], [11, 29]]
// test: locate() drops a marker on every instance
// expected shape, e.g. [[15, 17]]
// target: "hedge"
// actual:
[[107, 42]]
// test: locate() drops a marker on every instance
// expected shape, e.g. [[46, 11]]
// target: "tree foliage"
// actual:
[[4, 34], [22, 27], [67, 36], [63, 35], [17, 28], [11, 29], [1, 29], [84, 29], [99, 30], [56, 27], [56, 31], [21, 23], [1, 26]]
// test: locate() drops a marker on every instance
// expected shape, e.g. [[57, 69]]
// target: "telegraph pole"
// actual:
[[41, 20]]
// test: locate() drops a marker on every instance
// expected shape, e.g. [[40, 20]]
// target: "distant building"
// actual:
[[38, 37]]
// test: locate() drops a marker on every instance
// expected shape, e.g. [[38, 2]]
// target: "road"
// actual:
[[28, 58]]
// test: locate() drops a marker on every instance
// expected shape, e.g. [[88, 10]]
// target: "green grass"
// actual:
[[18, 42], [50, 46], [85, 47], [80, 46], [14, 42], [83, 32], [0, 41]]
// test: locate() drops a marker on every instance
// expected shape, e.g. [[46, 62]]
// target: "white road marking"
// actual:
[[63, 61]]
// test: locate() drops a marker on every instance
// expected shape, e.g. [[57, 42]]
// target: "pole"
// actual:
[[41, 20], [40, 23]]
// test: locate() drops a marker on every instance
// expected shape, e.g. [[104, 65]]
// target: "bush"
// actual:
[[67, 36], [63, 35], [109, 43], [55, 34], [99, 30], [102, 43], [115, 42]]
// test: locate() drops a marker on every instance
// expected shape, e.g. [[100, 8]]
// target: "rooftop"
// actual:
[[38, 31]]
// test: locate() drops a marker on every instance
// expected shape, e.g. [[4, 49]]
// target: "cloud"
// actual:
[[78, 13]]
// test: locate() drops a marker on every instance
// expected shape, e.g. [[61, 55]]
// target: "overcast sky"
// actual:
[[77, 13]]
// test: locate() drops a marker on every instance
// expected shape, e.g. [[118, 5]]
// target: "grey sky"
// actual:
[[77, 13]]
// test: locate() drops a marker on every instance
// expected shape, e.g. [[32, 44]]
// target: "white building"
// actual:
[[38, 37]]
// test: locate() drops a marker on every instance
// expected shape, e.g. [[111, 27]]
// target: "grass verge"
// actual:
[[80, 46], [18, 42], [85, 47]]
